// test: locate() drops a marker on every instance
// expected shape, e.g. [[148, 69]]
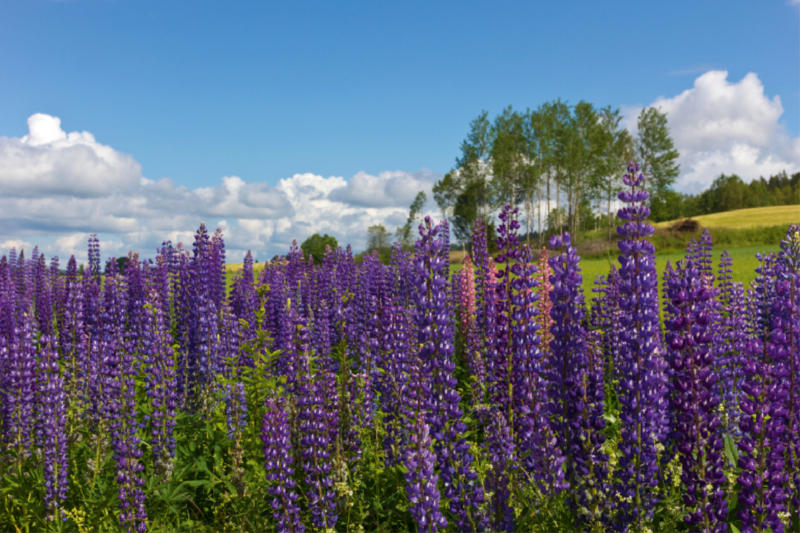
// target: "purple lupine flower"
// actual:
[[7, 302], [393, 384], [275, 436], [502, 454], [119, 406], [208, 362], [315, 431], [135, 312], [401, 275], [365, 329], [704, 254], [607, 313], [576, 392], [502, 388], [243, 296], [216, 269], [421, 480], [486, 296], [435, 337], [94, 258], [699, 445], [51, 404], [161, 383], [19, 384], [233, 359], [763, 424], [786, 338], [729, 346], [43, 297], [641, 366]]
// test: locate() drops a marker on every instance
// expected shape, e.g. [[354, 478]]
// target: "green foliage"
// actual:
[[727, 193], [406, 233], [316, 245], [655, 151]]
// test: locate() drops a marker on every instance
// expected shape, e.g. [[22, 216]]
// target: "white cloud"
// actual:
[[50, 161], [57, 187], [726, 127]]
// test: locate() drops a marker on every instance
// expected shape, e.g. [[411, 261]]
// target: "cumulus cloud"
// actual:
[[51, 161], [726, 127], [57, 187]]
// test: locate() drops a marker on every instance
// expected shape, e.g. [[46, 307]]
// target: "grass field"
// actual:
[[744, 265], [747, 218]]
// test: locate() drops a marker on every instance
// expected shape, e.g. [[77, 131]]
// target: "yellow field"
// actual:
[[748, 218], [235, 267]]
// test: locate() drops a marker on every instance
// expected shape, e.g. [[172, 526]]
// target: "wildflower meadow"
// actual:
[[349, 397]]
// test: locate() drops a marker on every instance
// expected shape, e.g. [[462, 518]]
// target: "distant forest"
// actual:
[[729, 193]]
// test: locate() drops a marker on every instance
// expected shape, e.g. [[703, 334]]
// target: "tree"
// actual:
[[655, 152], [378, 238], [473, 165], [315, 245], [465, 213], [617, 151], [405, 233]]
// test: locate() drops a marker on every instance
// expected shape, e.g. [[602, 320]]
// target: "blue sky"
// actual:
[[263, 91], [197, 90]]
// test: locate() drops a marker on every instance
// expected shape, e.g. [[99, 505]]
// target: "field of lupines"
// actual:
[[370, 397]]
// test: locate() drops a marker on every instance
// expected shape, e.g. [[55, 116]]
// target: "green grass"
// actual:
[[747, 218], [744, 264]]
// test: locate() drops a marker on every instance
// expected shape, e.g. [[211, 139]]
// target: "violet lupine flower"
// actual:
[[421, 480], [119, 407], [502, 453], [19, 385], [72, 337], [469, 330], [231, 356], [216, 269], [435, 337], [51, 404], [605, 318], [486, 295], [276, 437], [729, 346], [243, 295], [763, 444], [135, 312], [315, 431], [94, 258], [401, 275], [536, 443], [576, 395], [7, 302], [43, 297], [786, 337], [394, 363], [208, 361], [704, 255], [161, 384], [694, 402], [641, 366]]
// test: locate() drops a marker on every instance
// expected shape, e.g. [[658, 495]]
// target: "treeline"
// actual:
[[729, 193], [561, 164]]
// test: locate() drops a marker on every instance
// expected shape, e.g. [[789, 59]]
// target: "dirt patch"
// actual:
[[686, 225]]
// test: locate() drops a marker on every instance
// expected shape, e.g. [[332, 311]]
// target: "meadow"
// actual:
[[177, 395]]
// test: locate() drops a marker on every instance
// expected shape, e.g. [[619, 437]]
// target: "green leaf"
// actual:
[[731, 450], [734, 529]]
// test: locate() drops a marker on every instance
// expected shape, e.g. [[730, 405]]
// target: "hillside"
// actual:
[[747, 218]]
